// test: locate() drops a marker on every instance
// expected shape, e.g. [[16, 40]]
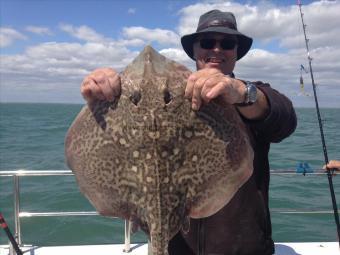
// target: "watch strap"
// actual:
[[249, 98]]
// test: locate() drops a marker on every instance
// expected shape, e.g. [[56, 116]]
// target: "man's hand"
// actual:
[[333, 164], [101, 84], [207, 84]]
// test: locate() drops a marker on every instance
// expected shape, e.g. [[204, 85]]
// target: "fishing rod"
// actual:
[[329, 171], [11, 238]]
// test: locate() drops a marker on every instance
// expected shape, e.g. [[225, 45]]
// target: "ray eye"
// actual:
[[167, 96], [135, 97]]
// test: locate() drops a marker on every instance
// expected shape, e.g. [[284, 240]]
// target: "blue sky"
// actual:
[[106, 16], [47, 47]]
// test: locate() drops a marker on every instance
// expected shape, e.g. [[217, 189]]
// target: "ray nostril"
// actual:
[[167, 96], [135, 97]]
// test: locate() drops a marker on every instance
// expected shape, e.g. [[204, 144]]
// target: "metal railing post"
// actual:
[[17, 233], [127, 241]]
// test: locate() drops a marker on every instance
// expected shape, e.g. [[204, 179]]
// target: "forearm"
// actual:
[[257, 111], [279, 121]]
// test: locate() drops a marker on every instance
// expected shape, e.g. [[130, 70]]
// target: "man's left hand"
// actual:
[[207, 84]]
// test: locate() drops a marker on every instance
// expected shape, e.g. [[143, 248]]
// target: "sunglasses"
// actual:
[[225, 44]]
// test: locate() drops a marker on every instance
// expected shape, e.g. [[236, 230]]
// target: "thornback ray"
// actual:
[[148, 157]]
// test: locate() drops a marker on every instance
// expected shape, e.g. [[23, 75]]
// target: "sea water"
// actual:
[[32, 137]]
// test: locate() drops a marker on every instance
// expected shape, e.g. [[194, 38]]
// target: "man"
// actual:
[[243, 226]]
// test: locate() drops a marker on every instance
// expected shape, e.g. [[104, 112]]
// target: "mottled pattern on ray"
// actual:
[[149, 158]]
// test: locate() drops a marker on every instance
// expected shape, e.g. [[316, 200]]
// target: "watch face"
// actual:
[[252, 92]]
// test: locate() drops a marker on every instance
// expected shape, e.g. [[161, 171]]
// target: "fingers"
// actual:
[[196, 100], [114, 80], [91, 91], [217, 90], [194, 77], [204, 85], [198, 90], [190, 85], [333, 164], [114, 83], [102, 84]]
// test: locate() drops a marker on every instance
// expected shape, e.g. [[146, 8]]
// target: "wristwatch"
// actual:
[[250, 96]]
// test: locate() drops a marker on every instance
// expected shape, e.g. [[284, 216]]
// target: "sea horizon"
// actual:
[[83, 103]]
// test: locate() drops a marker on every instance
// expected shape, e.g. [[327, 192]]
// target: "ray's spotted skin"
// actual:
[[150, 158]]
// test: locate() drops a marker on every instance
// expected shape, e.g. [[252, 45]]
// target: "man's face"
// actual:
[[214, 50]]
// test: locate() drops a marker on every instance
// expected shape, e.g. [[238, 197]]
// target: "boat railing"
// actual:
[[16, 174]]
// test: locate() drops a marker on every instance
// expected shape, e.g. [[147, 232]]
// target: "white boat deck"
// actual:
[[312, 248]]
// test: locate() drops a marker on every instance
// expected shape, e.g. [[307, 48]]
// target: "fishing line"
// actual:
[[329, 171]]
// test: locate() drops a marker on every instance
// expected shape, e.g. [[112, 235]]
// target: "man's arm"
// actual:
[[280, 120], [272, 116], [258, 110]]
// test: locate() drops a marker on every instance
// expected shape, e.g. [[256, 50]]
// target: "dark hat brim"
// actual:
[[243, 42]]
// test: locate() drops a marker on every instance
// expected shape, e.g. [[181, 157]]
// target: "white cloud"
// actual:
[[178, 55], [83, 33], [43, 63], [275, 57], [8, 36], [267, 22], [282, 71], [57, 59], [133, 42], [54, 71], [39, 30], [131, 11], [162, 36], [280, 29]]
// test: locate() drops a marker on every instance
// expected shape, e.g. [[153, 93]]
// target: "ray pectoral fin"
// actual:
[[186, 225], [101, 205], [211, 201], [219, 181]]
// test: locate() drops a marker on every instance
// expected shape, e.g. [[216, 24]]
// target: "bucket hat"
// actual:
[[219, 22]]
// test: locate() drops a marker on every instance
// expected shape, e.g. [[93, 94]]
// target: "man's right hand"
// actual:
[[101, 84]]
